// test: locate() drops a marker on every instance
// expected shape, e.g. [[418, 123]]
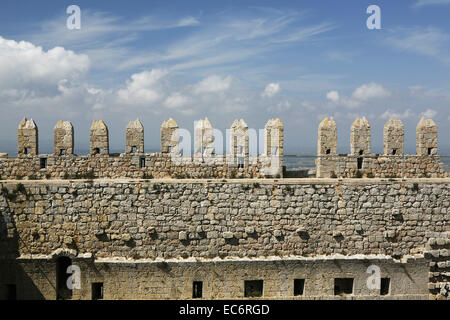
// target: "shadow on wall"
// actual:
[[15, 282]]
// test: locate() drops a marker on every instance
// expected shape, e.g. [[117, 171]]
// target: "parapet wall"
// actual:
[[380, 166], [147, 166]]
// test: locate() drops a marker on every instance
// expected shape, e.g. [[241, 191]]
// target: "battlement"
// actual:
[[393, 163], [175, 159]]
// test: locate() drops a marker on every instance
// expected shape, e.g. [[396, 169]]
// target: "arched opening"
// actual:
[[62, 290]]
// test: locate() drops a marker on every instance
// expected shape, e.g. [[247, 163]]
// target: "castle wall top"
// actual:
[[27, 138], [327, 137], [169, 136], [426, 137], [393, 137], [63, 138], [99, 138], [360, 137], [134, 141]]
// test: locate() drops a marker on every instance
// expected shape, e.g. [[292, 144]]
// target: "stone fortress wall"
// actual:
[[393, 163], [204, 163], [142, 229], [162, 235], [134, 163]]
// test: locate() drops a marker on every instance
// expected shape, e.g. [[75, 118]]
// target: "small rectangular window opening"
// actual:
[[43, 163], [62, 152], [169, 149], [133, 149], [328, 151], [299, 286], [96, 151], [385, 286], [429, 151], [97, 290], [25, 150], [343, 286], [274, 151], [360, 163], [394, 152], [142, 162], [197, 289], [253, 288]]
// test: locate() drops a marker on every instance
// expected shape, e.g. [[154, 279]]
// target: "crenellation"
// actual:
[[169, 137], [99, 138], [273, 147], [393, 138], [426, 137], [239, 143], [327, 137], [63, 140], [134, 140], [27, 136], [203, 139], [237, 163], [360, 138]]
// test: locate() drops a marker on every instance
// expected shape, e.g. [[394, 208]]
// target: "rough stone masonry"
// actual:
[[143, 226], [180, 231]]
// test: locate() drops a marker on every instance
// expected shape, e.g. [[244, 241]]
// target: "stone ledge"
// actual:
[[293, 181]]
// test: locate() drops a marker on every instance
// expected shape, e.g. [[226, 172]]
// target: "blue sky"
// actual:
[[299, 61]]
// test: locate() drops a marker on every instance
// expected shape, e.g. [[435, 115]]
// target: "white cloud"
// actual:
[[282, 106], [388, 114], [143, 88], [429, 113], [26, 69], [188, 21], [430, 42], [305, 33], [213, 84], [370, 91], [271, 90], [422, 3], [333, 96], [176, 100], [360, 95]]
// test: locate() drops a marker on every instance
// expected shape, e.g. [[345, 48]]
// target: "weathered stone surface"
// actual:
[[99, 138], [27, 136], [273, 147], [426, 137], [63, 138], [169, 137], [360, 137], [327, 137], [393, 138], [134, 141], [239, 142], [203, 138]]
